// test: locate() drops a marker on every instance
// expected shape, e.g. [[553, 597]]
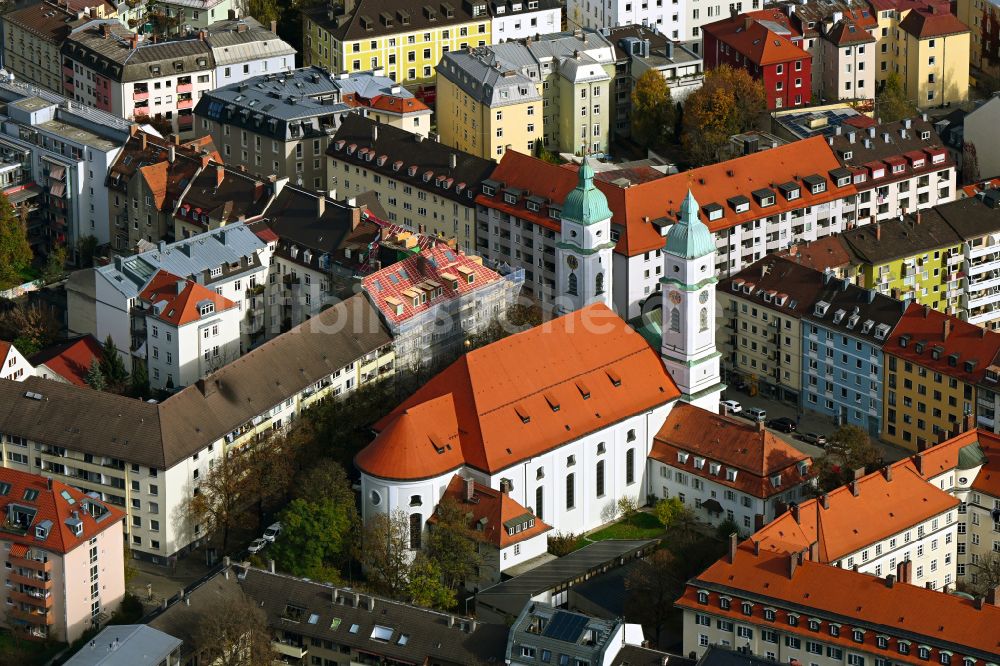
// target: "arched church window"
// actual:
[[675, 319], [571, 288], [704, 319], [599, 283]]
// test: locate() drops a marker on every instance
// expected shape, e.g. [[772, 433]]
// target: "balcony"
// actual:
[[290, 280], [139, 96], [15, 578], [36, 617], [185, 103], [184, 87], [289, 650], [41, 601]]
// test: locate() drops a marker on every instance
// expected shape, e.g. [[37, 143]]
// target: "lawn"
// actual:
[[639, 526]]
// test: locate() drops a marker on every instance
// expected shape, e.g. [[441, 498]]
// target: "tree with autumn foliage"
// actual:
[[653, 112], [729, 102]]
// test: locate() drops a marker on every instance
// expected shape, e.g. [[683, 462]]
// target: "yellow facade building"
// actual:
[[933, 363], [928, 47], [406, 40]]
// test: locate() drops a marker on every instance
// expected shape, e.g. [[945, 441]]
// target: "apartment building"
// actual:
[[726, 468], [13, 365], [190, 330], [320, 248], [59, 153], [485, 106], [520, 19], [760, 333], [217, 196], [424, 186], [933, 366], [32, 37], [407, 43], [981, 16], [763, 43], [147, 458], [680, 21], [977, 222], [435, 300], [281, 124], [843, 332], [927, 50], [806, 198], [558, 85], [639, 49], [64, 553], [108, 67], [231, 262], [978, 511]]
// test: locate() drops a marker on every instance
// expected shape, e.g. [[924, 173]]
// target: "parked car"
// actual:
[[257, 545], [812, 438], [782, 423], [755, 414], [731, 406], [272, 532]]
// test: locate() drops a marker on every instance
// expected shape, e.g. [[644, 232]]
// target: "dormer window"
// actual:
[[216, 272], [699, 463], [714, 468], [904, 340], [682, 457], [776, 480], [881, 331], [821, 308], [838, 316], [510, 198], [207, 309]]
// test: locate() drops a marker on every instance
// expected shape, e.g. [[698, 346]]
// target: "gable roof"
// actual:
[[491, 511], [943, 621], [57, 503], [891, 501], [519, 397], [756, 453], [847, 31], [820, 254], [955, 342], [72, 359], [777, 283], [931, 21], [178, 301], [757, 41]]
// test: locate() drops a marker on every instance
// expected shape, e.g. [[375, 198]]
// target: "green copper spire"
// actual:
[[586, 204], [690, 238]]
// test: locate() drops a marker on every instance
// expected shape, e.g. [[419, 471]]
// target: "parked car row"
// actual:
[[270, 534], [781, 424]]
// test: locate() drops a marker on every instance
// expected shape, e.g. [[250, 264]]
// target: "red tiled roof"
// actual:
[[71, 360], [55, 503], [932, 22], [394, 289], [853, 598], [860, 121], [390, 103], [988, 479], [967, 341], [756, 42], [181, 298], [754, 452], [820, 254], [888, 507], [976, 188], [849, 32], [520, 397], [497, 509]]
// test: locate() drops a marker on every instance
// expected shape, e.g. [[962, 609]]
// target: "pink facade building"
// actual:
[[64, 567]]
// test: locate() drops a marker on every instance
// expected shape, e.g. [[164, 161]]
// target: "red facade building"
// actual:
[[764, 44]]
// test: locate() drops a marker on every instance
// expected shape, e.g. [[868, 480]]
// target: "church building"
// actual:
[[559, 420]]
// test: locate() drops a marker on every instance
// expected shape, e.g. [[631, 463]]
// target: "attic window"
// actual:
[[821, 308], [682, 457], [838, 316], [207, 309], [904, 340], [867, 326], [953, 360], [881, 331], [776, 480], [30, 494], [925, 135], [730, 474]]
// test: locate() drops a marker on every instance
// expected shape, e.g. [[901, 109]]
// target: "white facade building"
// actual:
[[517, 19], [677, 19], [13, 365]]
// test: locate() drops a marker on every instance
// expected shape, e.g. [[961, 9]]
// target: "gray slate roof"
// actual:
[[160, 435], [483, 77], [241, 40]]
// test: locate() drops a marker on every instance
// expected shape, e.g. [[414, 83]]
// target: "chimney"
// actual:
[[794, 510], [180, 285], [270, 565], [793, 562], [992, 595], [854, 488], [374, 133], [918, 217], [756, 548], [48, 482], [470, 489], [355, 217], [903, 570], [918, 462], [858, 473], [824, 501], [274, 27], [161, 246], [733, 540], [371, 603], [105, 30], [980, 602], [968, 422], [357, 600], [887, 472], [878, 231], [814, 551], [220, 174], [176, 138], [890, 580], [453, 161], [145, 140], [171, 153], [133, 41], [760, 426]]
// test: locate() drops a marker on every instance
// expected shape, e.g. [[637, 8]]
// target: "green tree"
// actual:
[[653, 111], [314, 538], [55, 265], [216, 503], [384, 552], [891, 103], [848, 449], [95, 377], [113, 366], [86, 248], [677, 518], [627, 506], [425, 585], [727, 527], [452, 544], [729, 102], [139, 381], [15, 251], [264, 11]]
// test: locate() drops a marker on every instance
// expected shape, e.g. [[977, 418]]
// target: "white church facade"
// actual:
[[560, 419]]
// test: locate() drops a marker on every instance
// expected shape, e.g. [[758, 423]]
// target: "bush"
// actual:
[[130, 611], [563, 543]]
